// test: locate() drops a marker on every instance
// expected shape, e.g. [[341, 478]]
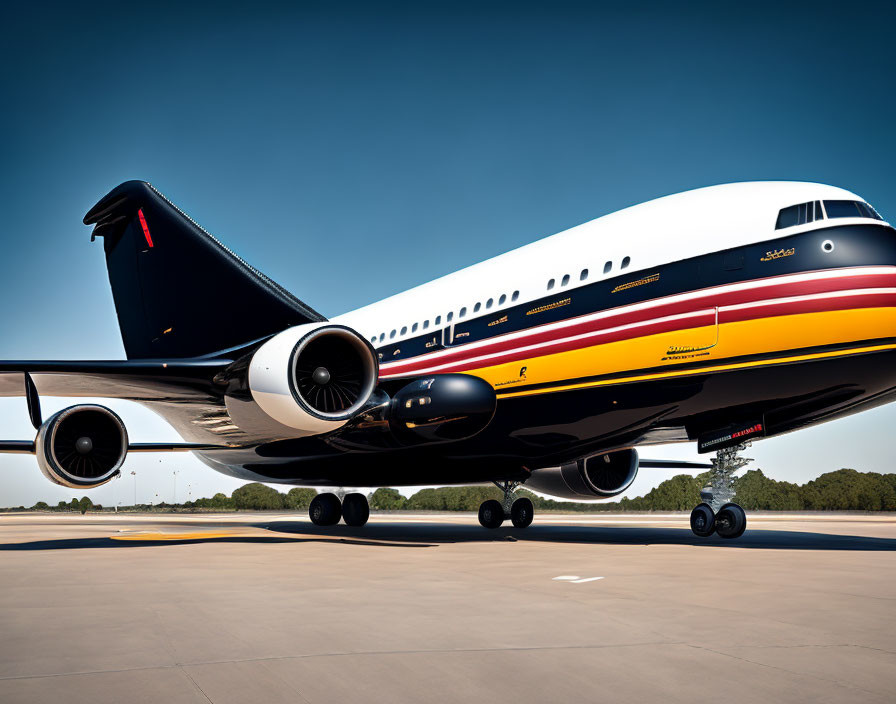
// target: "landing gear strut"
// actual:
[[717, 513], [519, 510]]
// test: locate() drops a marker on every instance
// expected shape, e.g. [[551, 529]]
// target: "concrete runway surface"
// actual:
[[432, 608]]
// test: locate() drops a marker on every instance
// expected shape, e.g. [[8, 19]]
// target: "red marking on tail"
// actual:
[[145, 228]]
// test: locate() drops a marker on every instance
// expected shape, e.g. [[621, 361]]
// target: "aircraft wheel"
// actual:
[[355, 509], [703, 521], [491, 514], [731, 521], [522, 512], [325, 510]]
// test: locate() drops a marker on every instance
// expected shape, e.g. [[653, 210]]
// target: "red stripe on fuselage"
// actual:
[[654, 318]]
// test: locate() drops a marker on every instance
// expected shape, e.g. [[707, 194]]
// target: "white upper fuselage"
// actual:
[[657, 232]]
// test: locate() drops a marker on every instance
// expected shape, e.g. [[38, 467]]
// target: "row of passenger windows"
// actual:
[[812, 211], [583, 275], [502, 299], [437, 321]]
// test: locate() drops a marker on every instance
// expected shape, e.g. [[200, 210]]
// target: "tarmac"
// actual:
[[433, 608]]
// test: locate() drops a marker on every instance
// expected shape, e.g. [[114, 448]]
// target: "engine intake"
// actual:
[[82, 447], [598, 476], [313, 378]]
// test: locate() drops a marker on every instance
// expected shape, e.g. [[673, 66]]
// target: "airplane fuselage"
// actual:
[[661, 323]]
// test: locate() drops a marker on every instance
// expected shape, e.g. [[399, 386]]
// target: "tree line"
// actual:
[[843, 490]]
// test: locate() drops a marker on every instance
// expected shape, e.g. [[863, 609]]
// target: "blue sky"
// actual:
[[405, 141]]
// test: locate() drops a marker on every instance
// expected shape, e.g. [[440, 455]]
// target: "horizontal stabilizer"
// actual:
[[178, 291]]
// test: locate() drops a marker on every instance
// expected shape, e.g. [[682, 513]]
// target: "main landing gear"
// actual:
[[717, 513], [326, 509], [520, 511]]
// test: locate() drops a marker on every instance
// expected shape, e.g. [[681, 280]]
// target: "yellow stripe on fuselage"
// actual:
[[736, 339]]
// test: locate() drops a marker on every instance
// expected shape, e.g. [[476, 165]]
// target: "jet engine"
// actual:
[[81, 447], [313, 378], [598, 476]]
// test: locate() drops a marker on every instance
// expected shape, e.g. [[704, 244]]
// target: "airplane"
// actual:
[[719, 316]]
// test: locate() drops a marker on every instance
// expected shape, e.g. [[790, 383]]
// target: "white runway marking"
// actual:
[[574, 578]]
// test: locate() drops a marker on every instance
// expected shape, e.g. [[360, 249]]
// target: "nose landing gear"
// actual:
[[520, 511], [731, 521], [717, 513]]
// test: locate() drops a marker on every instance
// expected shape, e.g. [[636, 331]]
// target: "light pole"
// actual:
[[175, 487], [134, 474]]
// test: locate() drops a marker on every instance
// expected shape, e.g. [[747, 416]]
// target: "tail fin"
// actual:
[[178, 291]]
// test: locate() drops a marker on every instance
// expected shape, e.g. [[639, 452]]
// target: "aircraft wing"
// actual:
[[185, 389], [133, 380]]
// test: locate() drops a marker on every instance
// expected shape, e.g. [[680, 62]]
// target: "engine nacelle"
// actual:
[[81, 447], [313, 378], [442, 407], [598, 476]]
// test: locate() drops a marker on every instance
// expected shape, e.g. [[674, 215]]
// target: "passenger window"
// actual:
[[502, 299], [382, 336], [516, 294], [625, 262], [489, 303], [438, 320], [463, 312], [449, 318], [607, 267], [565, 281], [477, 307], [414, 327], [392, 334], [583, 275], [404, 330], [550, 284], [425, 324]]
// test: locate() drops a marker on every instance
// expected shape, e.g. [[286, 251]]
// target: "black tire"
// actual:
[[325, 510], [731, 521], [703, 521], [522, 512], [355, 510], [491, 514]]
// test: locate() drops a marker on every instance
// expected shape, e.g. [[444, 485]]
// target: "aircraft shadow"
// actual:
[[441, 533], [422, 534]]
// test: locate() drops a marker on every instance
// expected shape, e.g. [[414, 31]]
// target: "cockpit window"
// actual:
[[799, 214], [850, 209]]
